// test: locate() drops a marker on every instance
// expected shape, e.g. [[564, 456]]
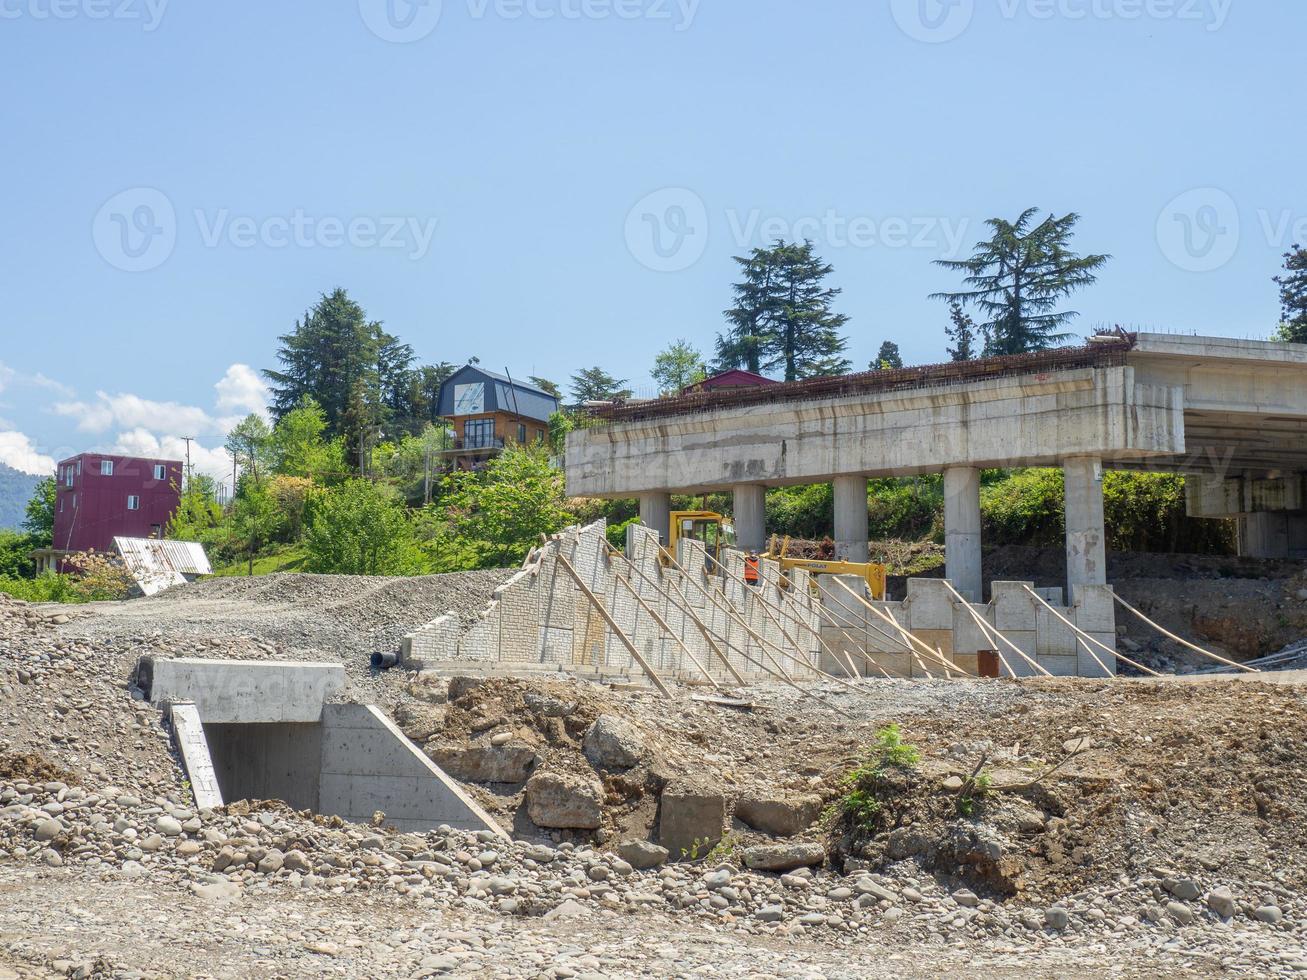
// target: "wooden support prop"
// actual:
[[763, 604], [763, 643], [694, 618], [987, 630], [853, 643], [907, 638], [612, 625], [1087, 639], [662, 625], [868, 627], [1184, 643]]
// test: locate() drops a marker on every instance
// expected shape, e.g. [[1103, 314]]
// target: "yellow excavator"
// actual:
[[871, 573], [717, 534]]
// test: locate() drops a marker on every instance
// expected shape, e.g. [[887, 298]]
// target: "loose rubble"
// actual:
[[657, 838]]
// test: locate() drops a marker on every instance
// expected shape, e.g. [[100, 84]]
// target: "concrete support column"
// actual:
[[1086, 537], [851, 518], [962, 531], [656, 514], [750, 505], [1264, 535]]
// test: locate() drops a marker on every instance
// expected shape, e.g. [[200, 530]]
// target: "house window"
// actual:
[[479, 434], [68, 477], [540, 435], [521, 432], [160, 472], [156, 531], [61, 504], [106, 467], [72, 498], [133, 502]]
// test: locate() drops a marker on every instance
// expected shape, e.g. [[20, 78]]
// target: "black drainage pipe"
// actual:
[[385, 661]]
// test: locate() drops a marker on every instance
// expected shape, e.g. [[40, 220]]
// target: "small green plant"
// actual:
[[691, 853], [974, 790], [726, 850], [863, 801]]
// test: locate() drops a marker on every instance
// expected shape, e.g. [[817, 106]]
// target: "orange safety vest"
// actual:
[[751, 570]]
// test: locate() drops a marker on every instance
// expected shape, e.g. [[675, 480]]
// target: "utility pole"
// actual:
[[186, 484]]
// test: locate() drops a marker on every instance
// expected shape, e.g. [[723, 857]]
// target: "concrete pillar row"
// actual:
[[750, 508], [1086, 536], [962, 531], [656, 514], [851, 519]]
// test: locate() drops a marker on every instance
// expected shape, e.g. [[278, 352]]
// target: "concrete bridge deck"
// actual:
[[1231, 413]]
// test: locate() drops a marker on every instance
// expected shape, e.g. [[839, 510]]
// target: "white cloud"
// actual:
[[141, 442], [16, 450], [132, 411], [242, 391], [8, 376]]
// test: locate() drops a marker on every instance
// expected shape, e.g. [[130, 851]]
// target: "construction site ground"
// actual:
[[1131, 827]]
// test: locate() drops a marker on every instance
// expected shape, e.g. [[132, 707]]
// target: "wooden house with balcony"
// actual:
[[488, 411]]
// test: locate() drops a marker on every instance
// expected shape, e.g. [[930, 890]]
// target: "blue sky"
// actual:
[[550, 184]]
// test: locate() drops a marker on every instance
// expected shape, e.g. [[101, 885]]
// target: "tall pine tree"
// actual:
[[783, 319], [962, 332], [1018, 277], [359, 374], [1293, 297]]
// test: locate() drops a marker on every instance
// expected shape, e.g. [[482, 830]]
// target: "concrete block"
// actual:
[[1089, 667], [967, 663], [967, 636], [941, 640], [895, 664], [1095, 609], [242, 692], [928, 606], [1061, 666], [1025, 641], [690, 817], [1013, 607], [1055, 638]]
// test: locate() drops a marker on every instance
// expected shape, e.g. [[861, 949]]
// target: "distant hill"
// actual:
[[16, 489]]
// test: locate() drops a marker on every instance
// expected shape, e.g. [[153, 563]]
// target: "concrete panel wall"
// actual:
[[267, 761], [367, 765], [932, 615], [238, 691]]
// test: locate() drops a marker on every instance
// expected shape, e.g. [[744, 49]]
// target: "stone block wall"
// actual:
[[539, 619]]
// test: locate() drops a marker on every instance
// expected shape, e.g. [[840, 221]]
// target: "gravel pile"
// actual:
[[219, 858]]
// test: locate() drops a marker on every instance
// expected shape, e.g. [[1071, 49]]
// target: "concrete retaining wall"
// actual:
[[541, 620], [934, 616]]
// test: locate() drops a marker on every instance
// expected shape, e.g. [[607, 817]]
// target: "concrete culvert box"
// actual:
[[266, 732]]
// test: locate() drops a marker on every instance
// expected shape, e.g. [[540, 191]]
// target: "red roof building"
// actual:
[[102, 497], [731, 379]]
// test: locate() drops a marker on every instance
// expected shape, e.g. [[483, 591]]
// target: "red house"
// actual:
[[731, 380], [101, 497]]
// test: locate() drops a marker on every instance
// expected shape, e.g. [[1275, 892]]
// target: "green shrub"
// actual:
[[908, 508], [46, 588]]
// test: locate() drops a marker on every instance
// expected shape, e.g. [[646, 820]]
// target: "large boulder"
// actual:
[[611, 743], [420, 721], [784, 857], [510, 763], [778, 816], [564, 801], [641, 854], [691, 819]]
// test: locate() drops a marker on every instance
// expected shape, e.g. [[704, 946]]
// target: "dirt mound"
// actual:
[[33, 767]]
